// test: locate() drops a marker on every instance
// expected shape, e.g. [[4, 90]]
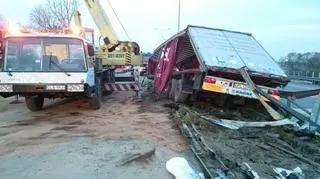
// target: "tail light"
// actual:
[[1, 47], [209, 79], [120, 66], [274, 92]]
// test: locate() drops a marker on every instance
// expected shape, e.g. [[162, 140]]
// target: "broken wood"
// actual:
[[275, 115], [277, 103], [206, 147], [298, 156], [263, 146], [232, 124], [137, 156], [248, 171]]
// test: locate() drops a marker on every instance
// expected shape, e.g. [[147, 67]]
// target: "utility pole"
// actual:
[[179, 16]]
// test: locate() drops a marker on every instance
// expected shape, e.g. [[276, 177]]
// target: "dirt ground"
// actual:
[[67, 139], [262, 148], [65, 131], [120, 116]]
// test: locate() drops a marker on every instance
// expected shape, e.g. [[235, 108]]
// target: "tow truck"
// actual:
[[64, 63]]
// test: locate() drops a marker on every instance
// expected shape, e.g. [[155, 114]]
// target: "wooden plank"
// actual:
[[275, 115]]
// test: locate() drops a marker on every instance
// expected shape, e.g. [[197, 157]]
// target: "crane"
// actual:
[[113, 51], [101, 19], [55, 72]]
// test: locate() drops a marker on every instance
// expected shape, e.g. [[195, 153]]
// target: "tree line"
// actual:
[[301, 63], [49, 16]]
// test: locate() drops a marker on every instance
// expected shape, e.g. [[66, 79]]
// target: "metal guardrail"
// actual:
[[299, 94], [313, 119], [304, 78]]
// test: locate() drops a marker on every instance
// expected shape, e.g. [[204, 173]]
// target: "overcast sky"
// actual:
[[280, 26]]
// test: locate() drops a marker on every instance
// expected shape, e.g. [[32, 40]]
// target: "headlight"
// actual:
[[6, 88], [55, 87], [75, 88]]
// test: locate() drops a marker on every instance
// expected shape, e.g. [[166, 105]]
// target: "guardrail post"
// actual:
[[289, 102], [315, 115]]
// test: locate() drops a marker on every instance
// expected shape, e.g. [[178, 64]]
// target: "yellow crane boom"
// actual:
[[113, 51], [101, 19]]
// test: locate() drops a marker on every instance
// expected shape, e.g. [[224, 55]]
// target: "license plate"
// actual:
[[240, 85]]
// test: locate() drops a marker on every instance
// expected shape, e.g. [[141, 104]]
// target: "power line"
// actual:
[[179, 16], [125, 31]]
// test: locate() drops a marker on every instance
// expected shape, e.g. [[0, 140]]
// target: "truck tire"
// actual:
[[179, 95], [95, 101], [34, 103], [171, 88], [106, 93]]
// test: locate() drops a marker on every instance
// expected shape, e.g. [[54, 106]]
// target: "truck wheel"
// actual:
[[34, 103], [179, 95], [172, 86], [95, 101]]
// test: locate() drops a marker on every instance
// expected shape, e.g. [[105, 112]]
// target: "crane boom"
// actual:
[[77, 19], [113, 51], [101, 19]]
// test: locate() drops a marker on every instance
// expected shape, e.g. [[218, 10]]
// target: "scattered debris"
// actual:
[[299, 156], [246, 169], [137, 156], [232, 124], [312, 120], [289, 174], [206, 155], [252, 86], [180, 169], [221, 150]]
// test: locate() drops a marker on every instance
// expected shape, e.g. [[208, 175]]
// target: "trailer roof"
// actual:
[[228, 49]]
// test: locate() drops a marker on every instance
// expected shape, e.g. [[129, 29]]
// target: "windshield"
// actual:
[[44, 54]]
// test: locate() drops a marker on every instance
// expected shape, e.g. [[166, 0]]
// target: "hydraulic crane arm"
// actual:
[[101, 19], [77, 19]]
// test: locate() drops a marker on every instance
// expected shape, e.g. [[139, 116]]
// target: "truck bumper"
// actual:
[[231, 87], [42, 88]]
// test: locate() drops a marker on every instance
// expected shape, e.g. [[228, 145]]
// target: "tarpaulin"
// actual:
[[164, 67]]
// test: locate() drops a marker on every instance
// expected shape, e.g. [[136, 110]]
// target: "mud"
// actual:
[[67, 139], [259, 147], [87, 142], [120, 116]]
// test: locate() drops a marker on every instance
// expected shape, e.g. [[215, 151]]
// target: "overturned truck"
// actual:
[[208, 61]]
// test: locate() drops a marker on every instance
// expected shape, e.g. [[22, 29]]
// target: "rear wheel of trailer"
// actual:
[[179, 95], [172, 86]]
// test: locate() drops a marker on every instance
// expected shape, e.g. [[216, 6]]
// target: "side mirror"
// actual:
[[90, 50]]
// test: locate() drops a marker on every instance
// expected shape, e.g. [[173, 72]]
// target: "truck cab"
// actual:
[[39, 66]]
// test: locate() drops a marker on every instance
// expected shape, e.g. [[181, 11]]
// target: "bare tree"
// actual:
[[3, 21], [53, 14]]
